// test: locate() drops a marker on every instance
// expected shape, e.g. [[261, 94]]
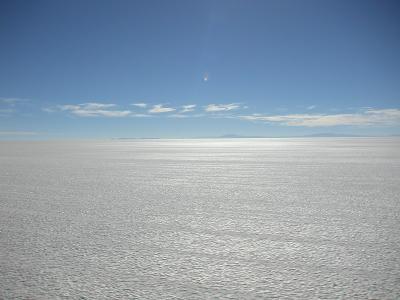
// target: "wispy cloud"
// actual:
[[94, 109], [140, 115], [102, 113], [9, 106], [48, 109], [221, 107], [141, 105], [12, 101], [19, 133], [70, 107], [178, 116], [366, 117], [188, 108], [95, 105], [311, 107], [160, 108]]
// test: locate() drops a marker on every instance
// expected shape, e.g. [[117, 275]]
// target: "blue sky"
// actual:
[[101, 69]]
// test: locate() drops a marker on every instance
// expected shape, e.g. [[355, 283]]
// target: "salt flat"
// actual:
[[220, 218]]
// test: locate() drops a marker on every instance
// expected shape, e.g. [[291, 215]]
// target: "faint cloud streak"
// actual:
[[188, 108], [221, 107], [366, 117], [94, 109], [160, 108], [141, 104]]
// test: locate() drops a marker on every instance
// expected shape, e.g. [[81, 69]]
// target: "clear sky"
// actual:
[[100, 69]]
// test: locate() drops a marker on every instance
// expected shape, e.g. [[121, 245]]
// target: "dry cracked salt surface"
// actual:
[[195, 219]]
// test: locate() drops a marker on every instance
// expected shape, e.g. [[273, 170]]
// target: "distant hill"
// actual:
[[331, 134]]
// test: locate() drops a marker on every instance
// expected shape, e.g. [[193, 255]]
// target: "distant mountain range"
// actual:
[[327, 134], [238, 136]]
